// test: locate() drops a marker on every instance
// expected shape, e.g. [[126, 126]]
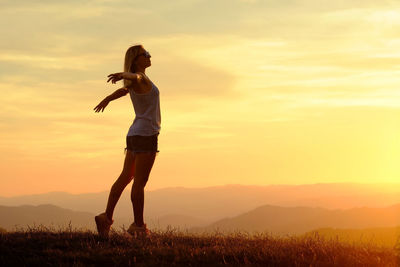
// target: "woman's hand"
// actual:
[[115, 77], [102, 105]]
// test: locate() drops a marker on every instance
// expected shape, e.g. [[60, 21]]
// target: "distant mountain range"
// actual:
[[23, 217], [203, 206], [298, 220], [53, 217], [274, 220]]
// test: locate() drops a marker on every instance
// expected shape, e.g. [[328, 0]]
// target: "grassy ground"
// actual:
[[45, 247]]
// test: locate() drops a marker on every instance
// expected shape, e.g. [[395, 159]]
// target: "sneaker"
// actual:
[[136, 231], [103, 224]]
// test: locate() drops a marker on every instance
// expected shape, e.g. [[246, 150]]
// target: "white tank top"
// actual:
[[147, 110]]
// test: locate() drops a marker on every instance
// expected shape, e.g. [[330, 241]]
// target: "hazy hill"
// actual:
[[176, 221], [17, 217], [90, 202], [213, 203], [272, 219], [47, 215], [298, 220]]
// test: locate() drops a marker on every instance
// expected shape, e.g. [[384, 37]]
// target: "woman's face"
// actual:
[[143, 58]]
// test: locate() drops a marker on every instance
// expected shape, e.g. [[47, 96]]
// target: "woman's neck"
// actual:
[[141, 70]]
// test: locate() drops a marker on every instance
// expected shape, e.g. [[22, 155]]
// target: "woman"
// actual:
[[141, 140]]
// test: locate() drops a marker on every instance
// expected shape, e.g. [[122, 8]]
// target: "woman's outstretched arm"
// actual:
[[117, 94], [115, 77]]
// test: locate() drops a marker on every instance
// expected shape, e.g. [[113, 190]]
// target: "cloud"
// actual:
[[184, 78]]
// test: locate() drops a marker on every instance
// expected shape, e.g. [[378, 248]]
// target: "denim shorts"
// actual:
[[140, 143]]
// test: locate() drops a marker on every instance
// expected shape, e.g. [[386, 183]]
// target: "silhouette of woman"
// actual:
[[141, 140]]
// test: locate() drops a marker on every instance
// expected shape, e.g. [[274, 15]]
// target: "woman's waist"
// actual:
[[144, 128], [145, 122], [144, 119]]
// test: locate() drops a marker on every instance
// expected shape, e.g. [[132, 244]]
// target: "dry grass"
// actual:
[[68, 247]]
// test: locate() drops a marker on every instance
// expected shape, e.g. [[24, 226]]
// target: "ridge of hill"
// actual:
[[46, 214], [271, 219], [298, 220]]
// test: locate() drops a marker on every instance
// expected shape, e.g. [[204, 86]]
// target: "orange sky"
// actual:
[[252, 92]]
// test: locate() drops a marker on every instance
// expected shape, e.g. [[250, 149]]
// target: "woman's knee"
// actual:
[[128, 172], [125, 176], [122, 181]]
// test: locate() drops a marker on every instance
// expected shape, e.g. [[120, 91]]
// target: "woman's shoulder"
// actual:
[[144, 84], [143, 76]]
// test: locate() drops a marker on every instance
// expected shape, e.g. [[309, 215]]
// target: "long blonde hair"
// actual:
[[129, 65]]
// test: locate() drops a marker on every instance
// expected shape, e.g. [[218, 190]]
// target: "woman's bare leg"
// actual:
[[123, 180], [143, 164]]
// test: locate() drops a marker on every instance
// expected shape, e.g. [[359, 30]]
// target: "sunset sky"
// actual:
[[252, 92]]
